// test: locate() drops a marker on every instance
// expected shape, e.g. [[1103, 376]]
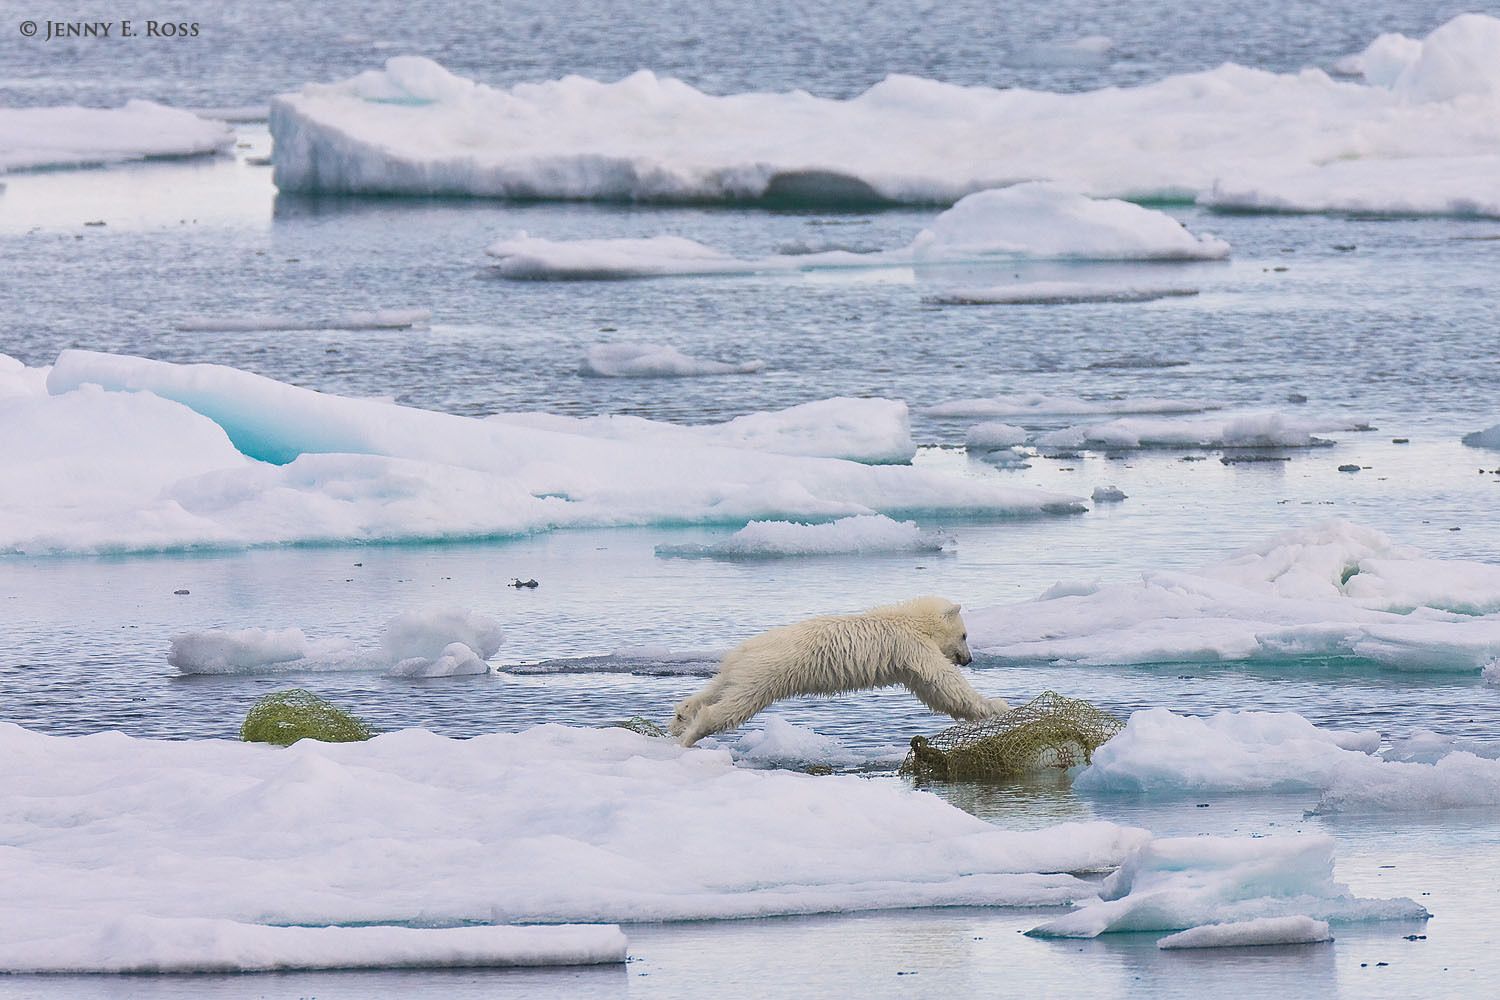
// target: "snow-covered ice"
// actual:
[[1330, 590], [1258, 932], [1107, 494], [870, 534], [414, 128], [1175, 883], [436, 642], [1043, 405], [1031, 220], [656, 361], [1162, 753], [73, 136], [110, 841], [779, 743], [1268, 429], [172, 456], [1052, 221], [374, 319], [861, 430]]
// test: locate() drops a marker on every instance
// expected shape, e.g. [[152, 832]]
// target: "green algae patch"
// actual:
[[284, 717]]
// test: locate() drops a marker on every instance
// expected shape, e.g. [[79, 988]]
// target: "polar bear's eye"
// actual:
[[964, 637]]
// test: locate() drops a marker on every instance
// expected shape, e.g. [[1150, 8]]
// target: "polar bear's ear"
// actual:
[[953, 611]]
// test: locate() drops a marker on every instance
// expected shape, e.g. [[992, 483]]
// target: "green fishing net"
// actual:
[[1049, 731], [638, 724], [284, 717]]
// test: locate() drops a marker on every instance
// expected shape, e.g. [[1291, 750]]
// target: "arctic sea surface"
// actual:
[[1384, 323]]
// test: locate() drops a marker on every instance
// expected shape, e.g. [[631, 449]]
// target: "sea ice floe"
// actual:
[[870, 534], [111, 840], [1332, 590], [1487, 438], [1175, 883], [1261, 931], [876, 431], [1031, 220], [1162, 753], [1268, 429], [72, 136], [172, 456], [656, 361], [438, 642], [414, 128], [374, 319], [1023, 405]]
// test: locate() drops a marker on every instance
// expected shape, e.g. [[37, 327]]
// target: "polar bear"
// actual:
[[918, 644]]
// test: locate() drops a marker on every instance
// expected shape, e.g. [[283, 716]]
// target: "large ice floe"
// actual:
[[876, 431], [73, 136], [1177, 883], [124, 453], [870, 534], [1162, 753], [414, 128], [1330, 591], [405, 849], [1031, 220], [432, 643]]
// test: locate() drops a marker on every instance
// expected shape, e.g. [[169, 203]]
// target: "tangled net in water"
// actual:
[[1049, 731], [284, 717], [638, 724]]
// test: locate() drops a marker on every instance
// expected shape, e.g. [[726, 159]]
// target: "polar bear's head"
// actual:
[[938, 619]]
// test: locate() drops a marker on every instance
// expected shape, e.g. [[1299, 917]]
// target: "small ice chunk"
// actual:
[[780, 743], [994, 434], [1487, 438], [252, 650], [1261, 931], [1269, 429], [1107, 494], [432, 634], [656, 361]]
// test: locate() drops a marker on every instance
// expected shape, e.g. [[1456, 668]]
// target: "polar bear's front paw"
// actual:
[[996, 706]]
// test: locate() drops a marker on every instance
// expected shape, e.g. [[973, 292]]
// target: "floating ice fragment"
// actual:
[[656, 361], [856, 536], [377, 319], [1258, 932]]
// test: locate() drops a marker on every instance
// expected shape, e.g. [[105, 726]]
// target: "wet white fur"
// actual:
[[917, 644]]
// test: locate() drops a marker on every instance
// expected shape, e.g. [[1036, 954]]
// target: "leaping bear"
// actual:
[[919, 644]]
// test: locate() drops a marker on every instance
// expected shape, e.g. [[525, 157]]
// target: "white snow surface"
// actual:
[[1259, 932], [110, 841], [72, 136], [436, 642], [1176, 883], [868, 534], [656, 361], [1333, 589], [1024, 405], [1161, 753], [414, 128], [1268, 429], [875, 431], [172, 456], [373, 319]]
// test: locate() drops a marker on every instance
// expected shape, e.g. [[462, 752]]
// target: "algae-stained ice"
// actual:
[[848, 499]]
